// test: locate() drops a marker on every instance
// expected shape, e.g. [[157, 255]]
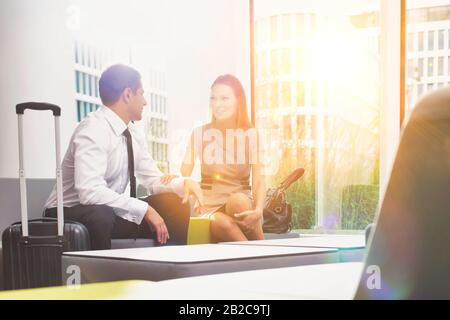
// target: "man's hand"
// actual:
[[165, 180], [248, 220], [192, 187], [157, 224]]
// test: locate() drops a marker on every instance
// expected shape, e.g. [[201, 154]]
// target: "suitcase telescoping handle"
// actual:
[[20, 108], [38, 106]]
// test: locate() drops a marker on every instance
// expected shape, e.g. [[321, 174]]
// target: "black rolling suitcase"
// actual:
[[32, 249]]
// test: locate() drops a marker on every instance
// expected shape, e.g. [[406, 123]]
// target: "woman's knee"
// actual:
[[238, 202], [224, 228], [223, 223]]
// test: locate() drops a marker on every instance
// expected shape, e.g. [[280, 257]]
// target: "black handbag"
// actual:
[[277, 212]]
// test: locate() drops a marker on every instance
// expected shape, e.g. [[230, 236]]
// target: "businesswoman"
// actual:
[[227, 148]]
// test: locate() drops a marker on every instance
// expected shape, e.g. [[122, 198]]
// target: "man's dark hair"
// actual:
[[115, 79]]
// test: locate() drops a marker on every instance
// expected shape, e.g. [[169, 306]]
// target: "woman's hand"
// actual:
[[192, 188], [248, 220], [165, 180]]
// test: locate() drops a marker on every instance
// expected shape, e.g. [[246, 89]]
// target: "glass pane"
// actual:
[[300, 94], [430, 40], [90, 85], [324, 106], [300, 25], [300, 61], [433, 20], [286, 94], [441, 39], [273, 28], [420, 45], [410, 42], [448, 71], [274, 94], [448, 37], [286, 22], [285, 61], [430, 67], [420, 67], [84, 86], [96, 86], [77, 81], [440, 66], [420, 90], [78, 111]]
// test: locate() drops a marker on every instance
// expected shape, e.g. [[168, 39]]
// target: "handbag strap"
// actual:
[[291, 178]]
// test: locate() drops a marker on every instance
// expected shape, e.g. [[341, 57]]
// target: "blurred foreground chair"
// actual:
[[410, 247]]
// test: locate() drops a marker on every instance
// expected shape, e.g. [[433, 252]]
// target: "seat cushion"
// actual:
[[132, 243], [1, 267]]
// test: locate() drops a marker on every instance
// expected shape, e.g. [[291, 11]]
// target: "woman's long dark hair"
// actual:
[[242, 119]]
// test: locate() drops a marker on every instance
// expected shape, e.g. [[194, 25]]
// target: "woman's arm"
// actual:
[[258, 183], [249, 220], [189, 159], [186, 166], [259, 188]]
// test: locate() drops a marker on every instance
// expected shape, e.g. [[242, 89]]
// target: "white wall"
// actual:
[[200, 39], [36, 65], [207, 39]]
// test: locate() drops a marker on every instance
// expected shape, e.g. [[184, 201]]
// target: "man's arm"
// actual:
[[90, 161], [147, 171], [149, 174]]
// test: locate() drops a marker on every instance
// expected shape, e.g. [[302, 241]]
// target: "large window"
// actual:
[[433, 20], [323, 98]]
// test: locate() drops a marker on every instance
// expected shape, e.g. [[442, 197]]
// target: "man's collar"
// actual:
[[117, 124]]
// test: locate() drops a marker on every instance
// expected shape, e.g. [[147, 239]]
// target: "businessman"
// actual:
[[106, 154]]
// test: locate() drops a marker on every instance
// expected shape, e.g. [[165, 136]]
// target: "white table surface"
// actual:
[[317, 241], [198, 253], [325, 281]]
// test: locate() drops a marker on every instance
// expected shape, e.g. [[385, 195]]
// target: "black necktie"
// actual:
[[127, 135]]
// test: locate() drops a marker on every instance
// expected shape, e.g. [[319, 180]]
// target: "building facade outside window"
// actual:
[[323, 98], [89, 64], [434, 22]]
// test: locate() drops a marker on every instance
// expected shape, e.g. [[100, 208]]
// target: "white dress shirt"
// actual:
[[95, 167]]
